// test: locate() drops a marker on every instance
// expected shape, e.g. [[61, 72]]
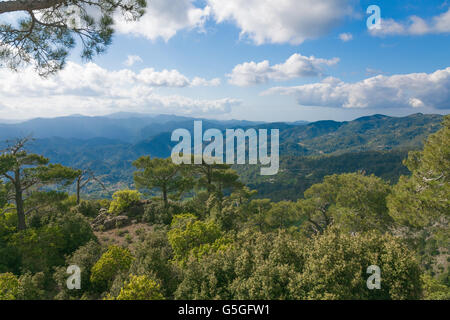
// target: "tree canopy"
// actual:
[[48, 29]]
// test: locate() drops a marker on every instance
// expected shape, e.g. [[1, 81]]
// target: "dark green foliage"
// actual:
[[155, 212], [39, 249], [84, 257], [153, 257], [88, 208], [44, 247], [336, 263], [163, 175], [75, 229], [220, 242], [255, 266], [420, 204], [10, 260], [27, 172], [353, 202], [45, 37], [297, 174]]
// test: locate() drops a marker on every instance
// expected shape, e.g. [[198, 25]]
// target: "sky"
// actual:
[[264, 60]]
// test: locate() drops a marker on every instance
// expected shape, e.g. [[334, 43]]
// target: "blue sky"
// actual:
[[399, 69]]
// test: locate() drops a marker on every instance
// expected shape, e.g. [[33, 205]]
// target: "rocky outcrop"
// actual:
[[105, 221]]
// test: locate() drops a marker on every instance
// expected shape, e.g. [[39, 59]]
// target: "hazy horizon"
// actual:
[[125, 114]]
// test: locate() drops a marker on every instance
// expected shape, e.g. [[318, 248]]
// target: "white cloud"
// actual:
[[283, 21], [346, 37], [250, 73], [165, 78], [163, 19], [397, 91], [90, 89], [414, 26], [131, 60], [197, 82]]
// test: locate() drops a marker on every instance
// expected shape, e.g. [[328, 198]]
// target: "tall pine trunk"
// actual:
[[19, 202], [78, 189]]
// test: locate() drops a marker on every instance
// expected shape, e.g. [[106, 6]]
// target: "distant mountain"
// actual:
[[109, 145], [76, 127], [127, 127], [377, 132], [150, 134]]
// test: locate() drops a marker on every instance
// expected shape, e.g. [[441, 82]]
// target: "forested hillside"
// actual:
[[198, 232], [298, 173], [376, 132], [110, 156]]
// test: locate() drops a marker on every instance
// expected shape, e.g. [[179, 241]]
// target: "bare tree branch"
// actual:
[[27, 5]]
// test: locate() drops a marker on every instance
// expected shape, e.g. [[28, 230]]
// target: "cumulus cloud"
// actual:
[[91, 89], [414, 26], [131, 60], [396, 91], [346, 37], [163, 19], [286, 21], [250, 73], [171, 78]]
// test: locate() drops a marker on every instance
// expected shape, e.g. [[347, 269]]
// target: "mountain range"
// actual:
[[109, 144]]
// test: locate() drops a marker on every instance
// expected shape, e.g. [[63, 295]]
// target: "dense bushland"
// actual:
[[210, 237]]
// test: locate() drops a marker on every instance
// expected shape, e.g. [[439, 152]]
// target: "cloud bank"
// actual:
[[163, 19], [398, 91], [90, 89], [285, 21], [414, 26], [296, 66], [261, 21]]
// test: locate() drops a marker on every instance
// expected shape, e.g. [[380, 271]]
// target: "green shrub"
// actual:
[[122, 200], [84, 257], [140, 288], [111, 263], [39, 249], [188, 233], [9, 287], [88, 208], [336, 265], [76, 230], [33, 286], [156, 212], [153, 257], [433, 289], [25, 287]]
